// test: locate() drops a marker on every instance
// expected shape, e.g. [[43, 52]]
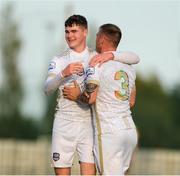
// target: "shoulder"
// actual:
[[58, 60], [63, 54], [91, 52], [60, 57]]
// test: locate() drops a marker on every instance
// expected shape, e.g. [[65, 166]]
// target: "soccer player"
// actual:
[[72, 128], [114, 86]]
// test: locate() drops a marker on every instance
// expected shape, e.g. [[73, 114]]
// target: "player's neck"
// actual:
[[107, 49], [79, 48]]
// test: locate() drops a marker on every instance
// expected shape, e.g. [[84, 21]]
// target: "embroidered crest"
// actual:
[[56, 156]]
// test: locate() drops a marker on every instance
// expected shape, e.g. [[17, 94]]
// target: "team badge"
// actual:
[[56, 156], [90, 71], [52, 65]]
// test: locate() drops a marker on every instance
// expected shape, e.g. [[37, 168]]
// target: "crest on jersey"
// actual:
[[90, 71], [56, 156], [52, 65]]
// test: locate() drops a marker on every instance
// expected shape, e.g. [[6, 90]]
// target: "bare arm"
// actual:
[[132, 99], [92, 90], [72, 93], [88, 96]]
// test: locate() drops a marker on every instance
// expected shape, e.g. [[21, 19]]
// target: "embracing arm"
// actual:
[[90, 94], [124, 57]]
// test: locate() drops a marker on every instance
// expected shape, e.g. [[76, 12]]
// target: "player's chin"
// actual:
[[72, 45]]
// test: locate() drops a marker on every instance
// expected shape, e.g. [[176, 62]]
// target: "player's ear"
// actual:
[[85, 32]]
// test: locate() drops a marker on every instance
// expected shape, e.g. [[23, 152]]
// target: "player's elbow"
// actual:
[[136, 58], [46, 90]]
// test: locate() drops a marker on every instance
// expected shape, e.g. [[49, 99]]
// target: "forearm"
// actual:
[[126, 57], [89, 95], [52, 83], [83, 98]]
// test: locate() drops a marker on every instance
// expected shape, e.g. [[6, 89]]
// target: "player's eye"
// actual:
[[74, 31], [66, 31]]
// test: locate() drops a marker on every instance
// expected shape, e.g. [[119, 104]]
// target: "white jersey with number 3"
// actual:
[[115, 133], [115, 81]]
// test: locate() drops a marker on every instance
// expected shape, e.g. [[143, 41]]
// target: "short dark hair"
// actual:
[[77, 20], [112, 32]]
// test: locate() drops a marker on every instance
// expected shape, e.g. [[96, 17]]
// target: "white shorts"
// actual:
[[113, 152], [68, 137]]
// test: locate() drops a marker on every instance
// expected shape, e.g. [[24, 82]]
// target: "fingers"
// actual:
[[75, 83], [86, 94], [73, 68], [77, 68], [100, 59], [100, 64], [94, 61], [77, 65], [65, 93]]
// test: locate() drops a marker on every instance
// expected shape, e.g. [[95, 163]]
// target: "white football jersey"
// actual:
[[65, 108], [115, 81]]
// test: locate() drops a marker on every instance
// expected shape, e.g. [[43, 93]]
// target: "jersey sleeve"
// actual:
[[93, 75], [126, 57], [54, 78], [54, 67]]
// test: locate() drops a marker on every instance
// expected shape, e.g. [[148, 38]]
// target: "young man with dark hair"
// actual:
[[72, 128]]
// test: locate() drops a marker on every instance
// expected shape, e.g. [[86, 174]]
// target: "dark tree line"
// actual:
[[12, 122], [156, 114]]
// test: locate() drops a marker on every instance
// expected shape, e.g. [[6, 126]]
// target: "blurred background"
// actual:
[[32, 33]]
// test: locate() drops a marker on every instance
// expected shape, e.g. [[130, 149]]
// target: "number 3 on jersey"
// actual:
[[123, 93]]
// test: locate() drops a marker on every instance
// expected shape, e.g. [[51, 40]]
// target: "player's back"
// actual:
[[116, 81]]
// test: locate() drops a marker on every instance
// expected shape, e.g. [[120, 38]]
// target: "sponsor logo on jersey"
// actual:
[[52, 65], [56, 156], [90, 71]]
